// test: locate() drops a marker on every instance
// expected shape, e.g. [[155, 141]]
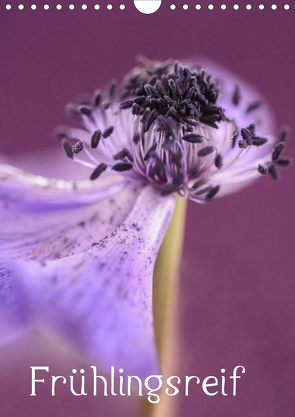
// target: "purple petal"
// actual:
[[69, 226], [28, 192], [14, 314], [100, 300]]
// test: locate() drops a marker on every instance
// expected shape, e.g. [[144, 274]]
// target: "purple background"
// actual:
[[236, 302]]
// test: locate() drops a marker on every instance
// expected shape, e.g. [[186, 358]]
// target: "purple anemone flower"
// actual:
[[77, 257]]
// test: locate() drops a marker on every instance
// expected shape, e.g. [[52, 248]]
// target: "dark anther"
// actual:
[[98, 170], [140, 100], [112, 88], [168, 144], [96, 98], [198, 184], [107, 132], [145, 115], [170, 188], [273, 172], [204, 190], [151, 152], [283, 135], [156, 168], [151, 91], [60, 132], [186, 96], [152, 80], [283, 162], [246, 135], [256, 141], [135, 109], [136, 138], [243, 144], [176, 158], [251, 129], [106, 104], [67, 148], [73, 110], [124, 153], [212, 192], [206, 151], [152, 117], [126, 104], [95, 139], [254, 106], [78, 147], [122, 166], [235, 135], [277, 150], [262, 169], [236, 98], [218, 161], [193, 138], [85, 110]]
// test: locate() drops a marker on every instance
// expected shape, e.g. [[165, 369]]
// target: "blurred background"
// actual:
[[236, 301]]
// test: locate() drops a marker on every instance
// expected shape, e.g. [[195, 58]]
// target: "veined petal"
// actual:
[[58, 218], [45, 219], [28, 192], [100, 300], [14, 313]]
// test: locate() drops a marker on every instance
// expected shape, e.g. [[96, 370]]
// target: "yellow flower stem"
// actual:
[[165, 291]]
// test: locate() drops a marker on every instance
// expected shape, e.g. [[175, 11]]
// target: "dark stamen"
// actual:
[[206, 151], [193, 138], [198, 184], [253, 106], [122, 166], [73, 110], [236, 96], [176, 158], [170, 188], [246, 135], [256, 141], [136, 138], [60, 132], [78, 147], [283, 135], [151, 152], [212, 192], [277, 150], [262, 169], [251, 129], [273, 172], [107, 132], [156, 168], [95, 139], [135, 109], [188, 97], [124, 153], [98, 170], [218, 161], [283, 162], [243, 144], [126, 104], [106, 104], [152, 117], [235, 135], [112, 88], [85, 110], [67, 148], [96, 98]]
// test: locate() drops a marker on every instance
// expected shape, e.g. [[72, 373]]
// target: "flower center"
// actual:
[[172, 91], [163, 126]]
